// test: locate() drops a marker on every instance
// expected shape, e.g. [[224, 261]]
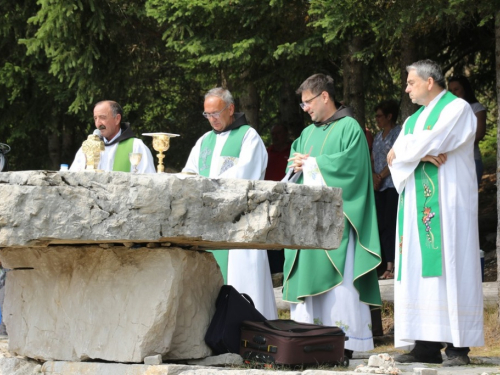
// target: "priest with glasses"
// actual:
[[233, 149]]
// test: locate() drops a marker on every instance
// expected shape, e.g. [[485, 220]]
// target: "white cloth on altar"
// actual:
[[339, 306], [247, 270], [146, 164], [448, 308]]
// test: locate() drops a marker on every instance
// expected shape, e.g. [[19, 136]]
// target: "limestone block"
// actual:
[[375, 361], [424, 371], [153, 360], [17, 366], [227, 359], [96, 368], [280, 304], [40, 208], [120, 304], [381, 363]]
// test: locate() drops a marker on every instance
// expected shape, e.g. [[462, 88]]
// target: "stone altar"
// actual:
[[107, 265]]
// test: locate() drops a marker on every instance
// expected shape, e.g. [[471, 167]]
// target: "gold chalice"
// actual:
[[135, 159], [161, 143], [92, 149]]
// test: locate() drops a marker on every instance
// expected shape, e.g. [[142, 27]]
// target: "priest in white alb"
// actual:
[[438, 297], [233, 149]]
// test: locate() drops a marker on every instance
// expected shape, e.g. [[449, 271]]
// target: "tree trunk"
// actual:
[[249, 104], [408, 56], [67, 155], [54, 151], [497, 64], [291, 115], [354, 95]]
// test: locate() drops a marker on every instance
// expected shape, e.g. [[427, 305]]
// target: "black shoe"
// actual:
[[459, 360], [348, 353], [412, 357]]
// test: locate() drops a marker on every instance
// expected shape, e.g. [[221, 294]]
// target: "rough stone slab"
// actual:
[[17, 366], [153, 360], [93, 368], [119, 304], [375, 361], [278, 296], [227, 359], [424, 371], [40, 208]]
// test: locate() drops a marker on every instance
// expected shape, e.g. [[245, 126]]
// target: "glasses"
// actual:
[[307, 103], [215, 114]]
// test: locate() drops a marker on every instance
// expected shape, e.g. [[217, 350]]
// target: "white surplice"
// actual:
[[339, 306], [447, 308], [248, 270]]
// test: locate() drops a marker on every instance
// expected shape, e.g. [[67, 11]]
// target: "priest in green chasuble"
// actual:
[[438, 296], [335, 287], [119, 141], [233, 149]]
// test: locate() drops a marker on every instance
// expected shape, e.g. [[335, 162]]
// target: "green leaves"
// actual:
[[158, 57]]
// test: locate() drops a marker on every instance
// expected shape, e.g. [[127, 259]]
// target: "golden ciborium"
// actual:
[[92, 149], [161, 143]]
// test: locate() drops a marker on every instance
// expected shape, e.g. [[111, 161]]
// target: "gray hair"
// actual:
[[222, 93], [428, 68], [116, 109]]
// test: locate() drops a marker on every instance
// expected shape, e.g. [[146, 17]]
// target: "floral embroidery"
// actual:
[[204, 155], [318, 321], [342, 325], [313, 173], [228, 162], [428, 214]]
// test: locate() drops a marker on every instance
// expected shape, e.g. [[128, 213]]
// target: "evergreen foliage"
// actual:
[[158, 57]]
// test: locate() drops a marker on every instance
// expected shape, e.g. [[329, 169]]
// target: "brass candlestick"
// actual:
[[92, 149], [161, 143]]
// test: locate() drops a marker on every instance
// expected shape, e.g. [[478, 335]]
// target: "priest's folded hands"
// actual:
[[298, 161], [436, 160]]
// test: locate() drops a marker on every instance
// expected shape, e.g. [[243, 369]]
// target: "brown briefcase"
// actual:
[[290, 343]]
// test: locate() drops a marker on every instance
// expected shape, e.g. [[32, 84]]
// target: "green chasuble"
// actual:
[[231, 149], [122, 161], [342, 155]]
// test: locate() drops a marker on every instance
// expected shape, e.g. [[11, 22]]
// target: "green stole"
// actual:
[[231, 148], [427, 192], [122, 162]]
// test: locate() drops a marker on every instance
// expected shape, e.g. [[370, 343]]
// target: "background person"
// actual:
[[461, 87], [386, 196]]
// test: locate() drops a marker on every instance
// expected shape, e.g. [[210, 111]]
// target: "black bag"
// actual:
[[231, 309]]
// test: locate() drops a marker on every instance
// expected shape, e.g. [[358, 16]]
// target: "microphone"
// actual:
[[98, 133]]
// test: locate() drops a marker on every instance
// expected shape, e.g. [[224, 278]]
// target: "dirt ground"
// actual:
[[488, 224]]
